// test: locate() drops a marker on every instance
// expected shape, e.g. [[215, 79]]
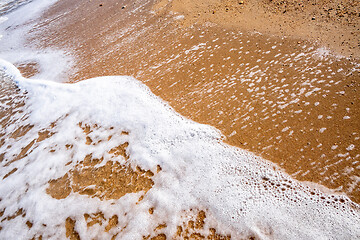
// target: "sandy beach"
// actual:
[[279, 79], [301, 112]]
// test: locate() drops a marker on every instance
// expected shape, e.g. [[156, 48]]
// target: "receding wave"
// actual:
[[107, 158], [7, 6]]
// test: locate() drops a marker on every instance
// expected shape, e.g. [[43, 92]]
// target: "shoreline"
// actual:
[[253, 188], [246, 78], [122, 149]]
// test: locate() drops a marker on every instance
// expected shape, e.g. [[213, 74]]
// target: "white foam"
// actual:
[[350, 147], [241, 191], [15, 48]]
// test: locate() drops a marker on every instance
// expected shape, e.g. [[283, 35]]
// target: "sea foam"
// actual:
[[245, 194], [17, 47]]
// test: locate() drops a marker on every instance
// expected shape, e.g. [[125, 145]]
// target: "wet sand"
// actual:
[[278, 96], [109, 177], [330, 23]]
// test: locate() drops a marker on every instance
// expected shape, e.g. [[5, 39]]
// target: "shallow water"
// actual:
[[107, 158], [75, 137], [290, 101]]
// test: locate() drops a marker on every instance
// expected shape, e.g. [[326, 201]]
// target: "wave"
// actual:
[[68, 141]]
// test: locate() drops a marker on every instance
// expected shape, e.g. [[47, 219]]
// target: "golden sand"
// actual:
[[334, 24], [305, 135], [302, 114]]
